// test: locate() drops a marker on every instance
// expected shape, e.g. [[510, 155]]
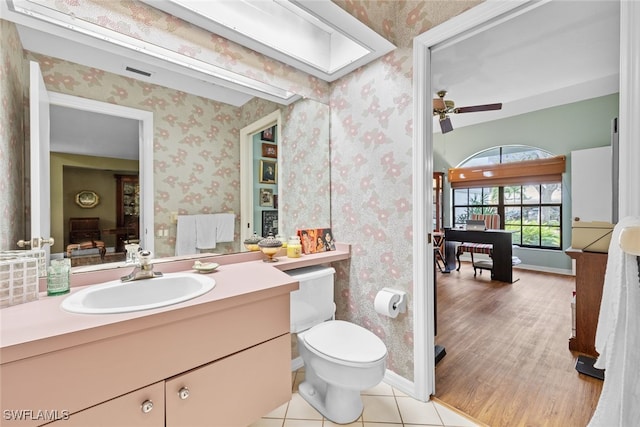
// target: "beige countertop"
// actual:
[[41, 326]]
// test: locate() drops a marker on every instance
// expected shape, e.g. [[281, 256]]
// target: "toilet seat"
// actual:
[[345, 343]]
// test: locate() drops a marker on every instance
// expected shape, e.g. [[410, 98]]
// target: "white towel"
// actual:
[[186, 235], [206, 231], [618, 337], [225, 227]]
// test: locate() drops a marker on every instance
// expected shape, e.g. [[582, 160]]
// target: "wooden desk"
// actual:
[[502, 249], [590, 271]]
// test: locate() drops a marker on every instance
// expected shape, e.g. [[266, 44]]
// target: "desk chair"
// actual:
[[492, 221]]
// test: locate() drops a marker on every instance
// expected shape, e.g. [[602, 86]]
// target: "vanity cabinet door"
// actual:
[[140, 408], [233, 391]]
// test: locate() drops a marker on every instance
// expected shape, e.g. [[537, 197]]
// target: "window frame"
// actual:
[[488, 205]]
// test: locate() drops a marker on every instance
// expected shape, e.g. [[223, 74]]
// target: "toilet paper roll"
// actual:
[[386, 303]]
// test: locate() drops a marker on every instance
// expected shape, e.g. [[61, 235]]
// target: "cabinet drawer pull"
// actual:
[[147, 406], [183, 393]]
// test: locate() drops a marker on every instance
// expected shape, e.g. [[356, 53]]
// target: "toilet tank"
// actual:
[[313, 302]]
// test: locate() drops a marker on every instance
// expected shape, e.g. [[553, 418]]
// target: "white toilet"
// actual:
[[340, 358]]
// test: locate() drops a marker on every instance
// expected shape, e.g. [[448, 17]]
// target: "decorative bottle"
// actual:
[[59, 276]]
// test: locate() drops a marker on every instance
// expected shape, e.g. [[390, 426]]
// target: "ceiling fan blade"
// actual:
[[475, 108], [445, 125], [438, 104]]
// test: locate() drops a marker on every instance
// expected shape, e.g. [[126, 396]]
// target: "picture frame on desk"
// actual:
[[315, 240]]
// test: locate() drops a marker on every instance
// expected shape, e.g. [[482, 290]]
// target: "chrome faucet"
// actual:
[[143, 268]]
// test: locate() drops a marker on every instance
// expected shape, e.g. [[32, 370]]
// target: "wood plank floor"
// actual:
[[508, 361]]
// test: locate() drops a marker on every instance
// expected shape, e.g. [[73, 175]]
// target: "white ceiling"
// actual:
[[93, 134], [560, 52]]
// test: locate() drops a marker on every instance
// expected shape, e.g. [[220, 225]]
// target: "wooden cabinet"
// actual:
[[235, 361], [140, 408], [215, 395], [234, 391], [590, 271], [127, 209]]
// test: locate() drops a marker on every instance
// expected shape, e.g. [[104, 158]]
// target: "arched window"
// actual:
[[522, 184]]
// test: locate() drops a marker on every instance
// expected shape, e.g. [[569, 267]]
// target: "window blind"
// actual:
[[538, 171]]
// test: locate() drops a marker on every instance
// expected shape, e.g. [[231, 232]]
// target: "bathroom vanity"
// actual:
[[221, 359]]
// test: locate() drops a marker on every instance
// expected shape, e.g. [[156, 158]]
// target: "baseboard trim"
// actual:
[[296, 364], [530, 267], [563, 271], [399, 383]]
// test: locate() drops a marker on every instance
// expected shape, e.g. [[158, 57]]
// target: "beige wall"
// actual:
[[73, 173]]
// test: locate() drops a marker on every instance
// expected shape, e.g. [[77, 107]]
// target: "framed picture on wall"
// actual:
[[268, 172], [270, 150], [266, 197], [268, 134], [269, 223]]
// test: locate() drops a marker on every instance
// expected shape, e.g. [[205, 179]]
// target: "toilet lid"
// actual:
[[345, 341]]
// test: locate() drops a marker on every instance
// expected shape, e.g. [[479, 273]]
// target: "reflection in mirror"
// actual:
[[96, 156], [196, 153]]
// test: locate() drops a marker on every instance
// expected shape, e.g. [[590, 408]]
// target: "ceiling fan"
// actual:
[[443, 107]]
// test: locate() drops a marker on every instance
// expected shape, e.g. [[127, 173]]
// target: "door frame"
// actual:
[[475, 19], [145, 144], [247, 183]]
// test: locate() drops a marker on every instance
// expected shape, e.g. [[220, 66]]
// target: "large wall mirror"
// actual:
[[199, 101], [191, 174]]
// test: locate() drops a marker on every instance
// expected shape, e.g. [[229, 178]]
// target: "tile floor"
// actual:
[[384, 406]]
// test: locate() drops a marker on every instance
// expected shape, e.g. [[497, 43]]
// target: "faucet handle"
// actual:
[[145, 257]]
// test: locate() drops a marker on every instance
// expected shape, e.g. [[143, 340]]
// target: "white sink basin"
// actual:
[[119, 297]]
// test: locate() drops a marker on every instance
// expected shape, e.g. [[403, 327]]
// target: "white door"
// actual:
[[39, 172]]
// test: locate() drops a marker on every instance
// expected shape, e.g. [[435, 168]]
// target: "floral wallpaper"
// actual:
[[371, 171], [12, 137], [370, 115]]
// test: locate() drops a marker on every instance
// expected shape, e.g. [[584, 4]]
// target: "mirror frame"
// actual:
[[247, 183], [145, 157]]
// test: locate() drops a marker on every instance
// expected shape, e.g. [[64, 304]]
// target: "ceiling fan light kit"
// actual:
[[445, 124], [443, 107]]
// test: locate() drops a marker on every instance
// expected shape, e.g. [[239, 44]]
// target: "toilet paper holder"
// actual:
[[401, 304]]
